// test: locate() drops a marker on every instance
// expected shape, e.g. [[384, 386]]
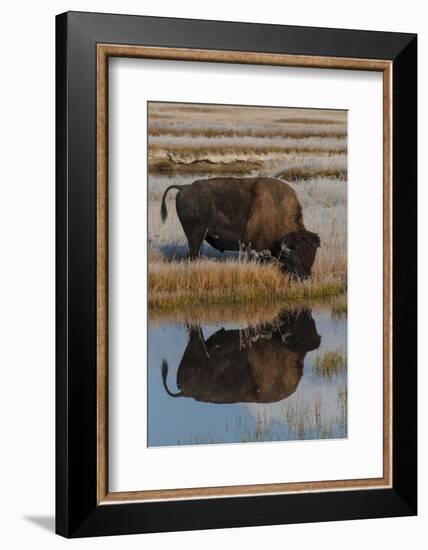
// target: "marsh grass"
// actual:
[[307, 169], [166, 166], [297, 132], [173, 284], [330, 364]]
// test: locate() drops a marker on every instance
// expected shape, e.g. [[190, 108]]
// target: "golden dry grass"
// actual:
[[165, 166], [219, 149], [173, 284], [306, 173], [295, 131]]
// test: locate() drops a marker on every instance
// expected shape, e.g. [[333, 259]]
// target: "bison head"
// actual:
[[296, 252]]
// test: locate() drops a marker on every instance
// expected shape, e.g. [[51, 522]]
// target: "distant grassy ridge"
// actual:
[[237, 167], [302, 173], [165, 166], [207, 281], [179, 111], [338, 131], [245, 151], [191, 113], [292, 165]]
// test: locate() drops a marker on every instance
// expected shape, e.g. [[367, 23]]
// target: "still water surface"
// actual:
[[230, 382]]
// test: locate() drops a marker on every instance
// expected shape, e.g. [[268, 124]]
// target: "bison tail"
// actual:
[[164, 375], [164, 211]]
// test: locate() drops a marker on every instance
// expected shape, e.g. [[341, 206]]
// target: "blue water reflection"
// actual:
[[231, 382]]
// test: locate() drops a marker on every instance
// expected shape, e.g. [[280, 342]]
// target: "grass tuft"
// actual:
[[331, 364]]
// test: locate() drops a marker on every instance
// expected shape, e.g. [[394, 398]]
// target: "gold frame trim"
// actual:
[[104, 51]]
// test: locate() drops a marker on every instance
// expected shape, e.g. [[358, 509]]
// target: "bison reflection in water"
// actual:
[[253, 365]]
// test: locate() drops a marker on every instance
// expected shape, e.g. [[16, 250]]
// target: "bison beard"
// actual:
[[260, 213], [296, 253]]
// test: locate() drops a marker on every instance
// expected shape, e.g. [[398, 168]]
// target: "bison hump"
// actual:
[[275, 211]]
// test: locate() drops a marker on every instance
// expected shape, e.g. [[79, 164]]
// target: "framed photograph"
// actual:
[[236, 274]]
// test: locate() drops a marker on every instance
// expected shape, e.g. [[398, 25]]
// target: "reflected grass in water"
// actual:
[[247, 314], [330, 364], [339, 310], [342, 398], [300, 420]]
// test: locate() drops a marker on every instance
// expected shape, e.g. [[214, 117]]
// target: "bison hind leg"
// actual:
[[195, 237]]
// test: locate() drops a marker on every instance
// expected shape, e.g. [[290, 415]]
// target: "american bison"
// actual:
[[263, 214], [262, 365]]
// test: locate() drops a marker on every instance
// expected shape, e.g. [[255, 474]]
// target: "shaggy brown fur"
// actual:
[[275, 211]]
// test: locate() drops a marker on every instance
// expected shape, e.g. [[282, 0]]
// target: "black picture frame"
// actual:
[[77, 512]]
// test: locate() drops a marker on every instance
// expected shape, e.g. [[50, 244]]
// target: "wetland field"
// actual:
[[240, 351]]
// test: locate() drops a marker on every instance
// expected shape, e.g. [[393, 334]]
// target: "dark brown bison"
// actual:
[[263, 214], [262, 365]]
